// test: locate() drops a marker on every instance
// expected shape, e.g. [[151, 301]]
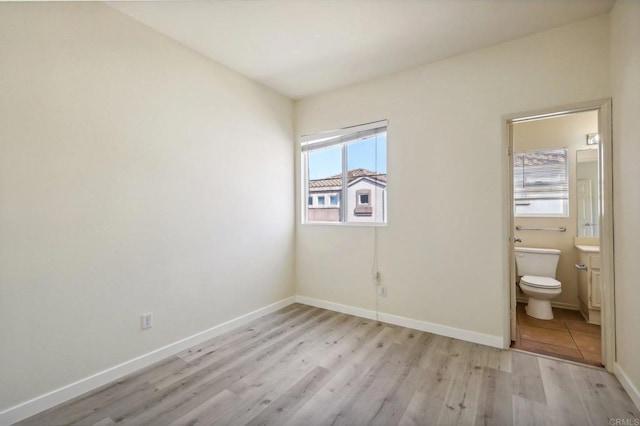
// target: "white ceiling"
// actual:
[[303, 47]]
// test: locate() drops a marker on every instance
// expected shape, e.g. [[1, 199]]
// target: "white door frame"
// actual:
[[603, 106]]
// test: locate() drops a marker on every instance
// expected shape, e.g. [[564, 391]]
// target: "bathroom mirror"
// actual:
[[587, 195]]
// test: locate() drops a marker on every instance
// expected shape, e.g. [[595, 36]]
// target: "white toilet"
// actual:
[[538, 269]]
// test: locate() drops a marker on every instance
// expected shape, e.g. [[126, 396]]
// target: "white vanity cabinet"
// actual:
[[589, 290]]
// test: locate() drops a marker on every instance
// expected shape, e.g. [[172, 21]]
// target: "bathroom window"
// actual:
[[350, 165], [541, 183]]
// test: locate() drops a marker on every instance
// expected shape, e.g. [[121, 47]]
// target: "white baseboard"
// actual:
[[51, 399], [631, 389], [443, 330], [561, 305]]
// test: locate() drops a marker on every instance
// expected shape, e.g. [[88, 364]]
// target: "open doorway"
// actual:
[[560, 247]]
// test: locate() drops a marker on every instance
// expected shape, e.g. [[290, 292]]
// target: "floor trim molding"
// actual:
[[51, 399], [561, 305], [627, 384], [443, 330]]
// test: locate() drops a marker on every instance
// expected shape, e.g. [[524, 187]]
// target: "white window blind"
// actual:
[[541, 183], [349, 134]]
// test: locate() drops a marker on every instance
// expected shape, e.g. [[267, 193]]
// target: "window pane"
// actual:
[[324, 163], [541, 183], [367, 179], [334, 200], [540, 207], [325, 181]]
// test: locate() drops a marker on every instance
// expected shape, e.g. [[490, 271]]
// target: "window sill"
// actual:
[[347, 224], [542, 216]]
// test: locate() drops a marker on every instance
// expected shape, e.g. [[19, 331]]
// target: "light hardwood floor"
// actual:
[[308, 366]]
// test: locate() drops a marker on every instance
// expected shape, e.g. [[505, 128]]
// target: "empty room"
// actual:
[[320, 212]]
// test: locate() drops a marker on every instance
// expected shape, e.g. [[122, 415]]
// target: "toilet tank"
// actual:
[[542, 262]]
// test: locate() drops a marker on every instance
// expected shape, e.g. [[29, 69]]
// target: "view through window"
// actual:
[[346, 174]]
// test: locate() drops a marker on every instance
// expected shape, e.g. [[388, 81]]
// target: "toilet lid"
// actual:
[[540, 282]]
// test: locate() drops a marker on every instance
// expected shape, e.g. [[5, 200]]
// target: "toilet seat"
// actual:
[[540, 282]]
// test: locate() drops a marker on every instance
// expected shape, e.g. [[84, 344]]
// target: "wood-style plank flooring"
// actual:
[[308, 366]]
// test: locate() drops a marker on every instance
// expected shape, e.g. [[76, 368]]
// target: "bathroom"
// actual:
[[556, 204]]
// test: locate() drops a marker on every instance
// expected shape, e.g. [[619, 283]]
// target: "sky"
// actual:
[[362, 154]]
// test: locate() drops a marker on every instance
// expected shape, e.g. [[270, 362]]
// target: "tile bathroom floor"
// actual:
[[567, 336]]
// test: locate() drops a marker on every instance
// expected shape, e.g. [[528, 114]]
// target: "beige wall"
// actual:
[[124, 189], [443, 253], [625, 71], [568, 132]]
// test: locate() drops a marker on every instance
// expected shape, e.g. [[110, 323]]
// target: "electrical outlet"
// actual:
[[147, 320], [382, 291]]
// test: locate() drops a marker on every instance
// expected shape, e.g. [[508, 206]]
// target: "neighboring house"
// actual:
[[366, 197]]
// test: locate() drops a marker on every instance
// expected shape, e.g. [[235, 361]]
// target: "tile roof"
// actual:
[[352, 175]]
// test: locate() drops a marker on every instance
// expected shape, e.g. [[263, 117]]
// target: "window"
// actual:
[[350, 167], [541, 183], [310, 201], [362, 207], [363, 198]]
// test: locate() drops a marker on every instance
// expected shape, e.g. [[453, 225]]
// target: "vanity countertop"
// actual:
[[588, 249]]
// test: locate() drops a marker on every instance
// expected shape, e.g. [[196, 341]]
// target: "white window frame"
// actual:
[[340, 137]]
